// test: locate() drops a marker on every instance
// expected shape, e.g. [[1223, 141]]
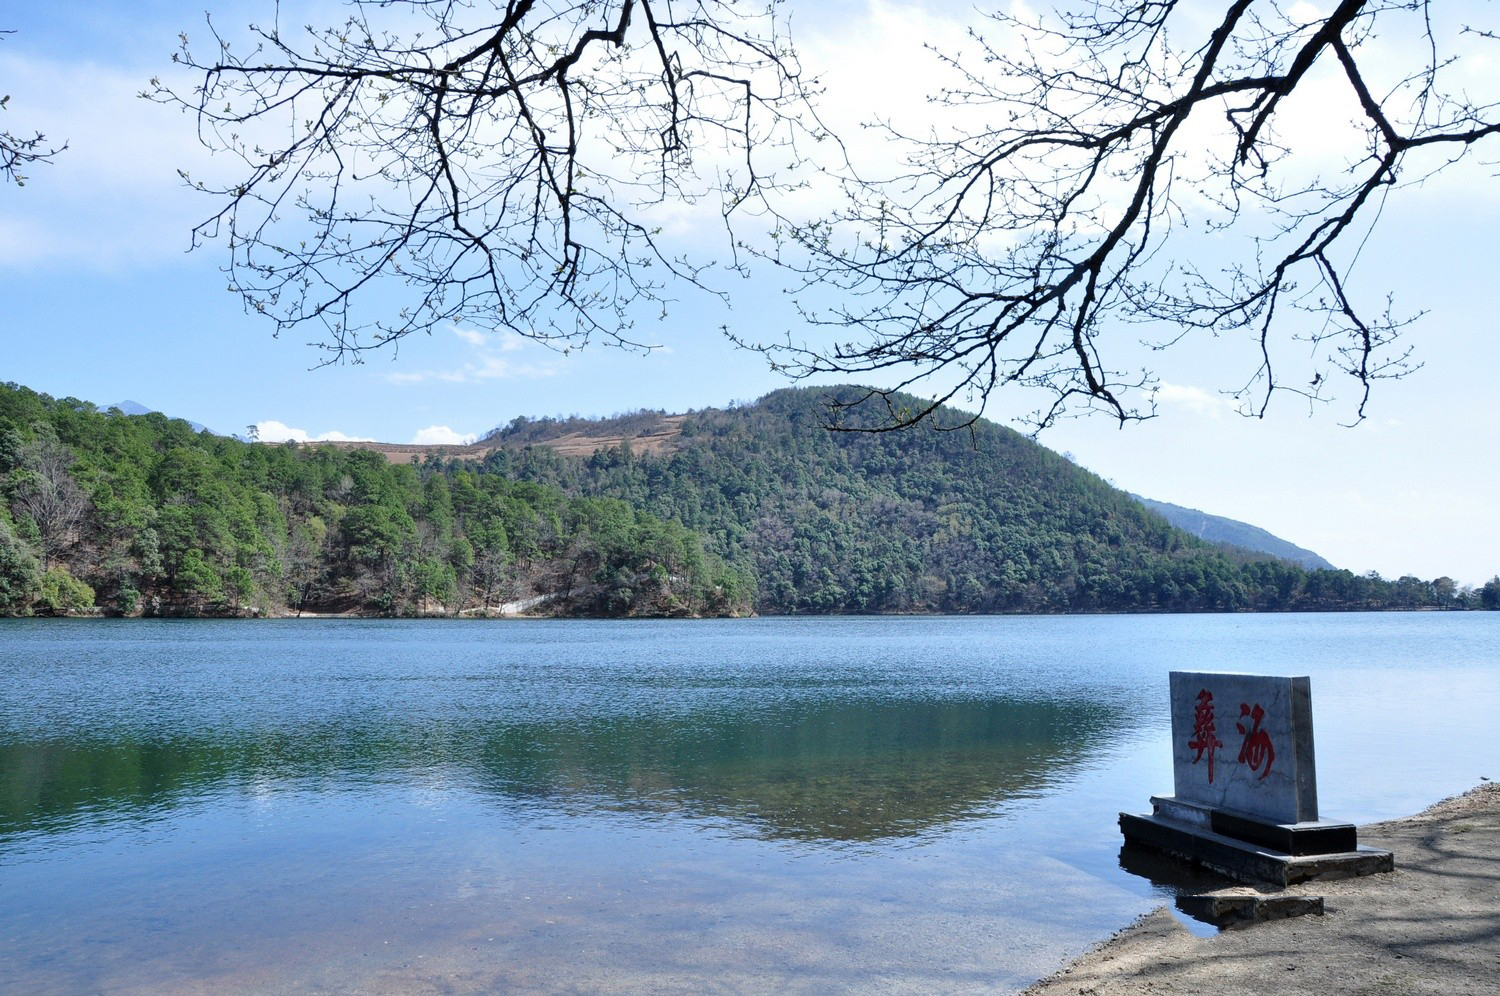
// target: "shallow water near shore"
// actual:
[[742, 805]]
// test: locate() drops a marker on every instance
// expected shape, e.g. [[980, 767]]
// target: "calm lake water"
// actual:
[[908, 804]]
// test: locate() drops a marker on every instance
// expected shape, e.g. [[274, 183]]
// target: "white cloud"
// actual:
[[498, 342], [114, 198], [868, 64], [486, 365], [486, 368], [440, 435], [272, 431], [473, 337], [1303, 12], [1195, 400]]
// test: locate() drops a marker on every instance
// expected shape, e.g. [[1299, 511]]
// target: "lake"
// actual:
[[783, 804]]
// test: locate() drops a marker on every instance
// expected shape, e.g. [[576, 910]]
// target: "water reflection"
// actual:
[[835, 770], [387, 806]]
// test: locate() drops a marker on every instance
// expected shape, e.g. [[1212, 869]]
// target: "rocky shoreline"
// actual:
[[1432, 926]]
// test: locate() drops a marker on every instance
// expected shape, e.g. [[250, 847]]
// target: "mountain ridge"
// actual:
[[984, 520], [1233, 532], [659, 433], [755, 507]]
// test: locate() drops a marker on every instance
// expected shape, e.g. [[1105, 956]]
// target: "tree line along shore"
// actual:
[[755, 508]]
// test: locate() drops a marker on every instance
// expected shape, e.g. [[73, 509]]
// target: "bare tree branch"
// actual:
[[504, 164], [1119, 178], [17, 153]]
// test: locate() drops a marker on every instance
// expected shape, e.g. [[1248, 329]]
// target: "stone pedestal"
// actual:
[[1234, 845], [1246, 801]]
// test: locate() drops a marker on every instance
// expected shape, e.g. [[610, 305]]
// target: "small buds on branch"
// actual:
[[1126, 175], [497, 164]]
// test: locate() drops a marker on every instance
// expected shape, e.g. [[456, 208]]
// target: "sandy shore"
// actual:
[[1432, 926]]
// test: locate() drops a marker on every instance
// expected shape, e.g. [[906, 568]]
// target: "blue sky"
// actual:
[[100, 300]]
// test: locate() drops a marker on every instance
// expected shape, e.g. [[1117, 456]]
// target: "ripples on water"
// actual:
[[756, 804]]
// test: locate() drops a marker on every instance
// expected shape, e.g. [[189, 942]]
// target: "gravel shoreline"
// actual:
[[1432, 926]]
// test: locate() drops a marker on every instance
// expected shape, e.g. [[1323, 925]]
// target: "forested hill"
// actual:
[[917, 521], [140, 514], [715, 512]]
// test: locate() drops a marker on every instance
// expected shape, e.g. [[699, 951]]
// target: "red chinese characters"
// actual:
[[1204, 741], [1257, 748]]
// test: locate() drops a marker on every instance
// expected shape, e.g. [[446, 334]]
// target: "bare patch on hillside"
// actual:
[[660, 437]]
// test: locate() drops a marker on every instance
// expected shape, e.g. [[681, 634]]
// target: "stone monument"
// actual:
[[1245, 800]]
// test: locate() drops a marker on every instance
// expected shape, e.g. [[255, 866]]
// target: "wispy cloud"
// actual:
[[1193, 399], [473, 337], [272, 431], [483, 369], [114, 198], [487, 363], [494, 342]]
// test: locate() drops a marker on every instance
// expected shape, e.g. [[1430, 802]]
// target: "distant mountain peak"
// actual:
[[1219, 529], [128, 407]]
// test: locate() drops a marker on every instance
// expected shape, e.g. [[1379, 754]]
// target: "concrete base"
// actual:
[[1228, 908], [1310, 837], [1246, 861]]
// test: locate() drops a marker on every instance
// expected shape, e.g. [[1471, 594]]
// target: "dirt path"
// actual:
[[1430, 927]]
